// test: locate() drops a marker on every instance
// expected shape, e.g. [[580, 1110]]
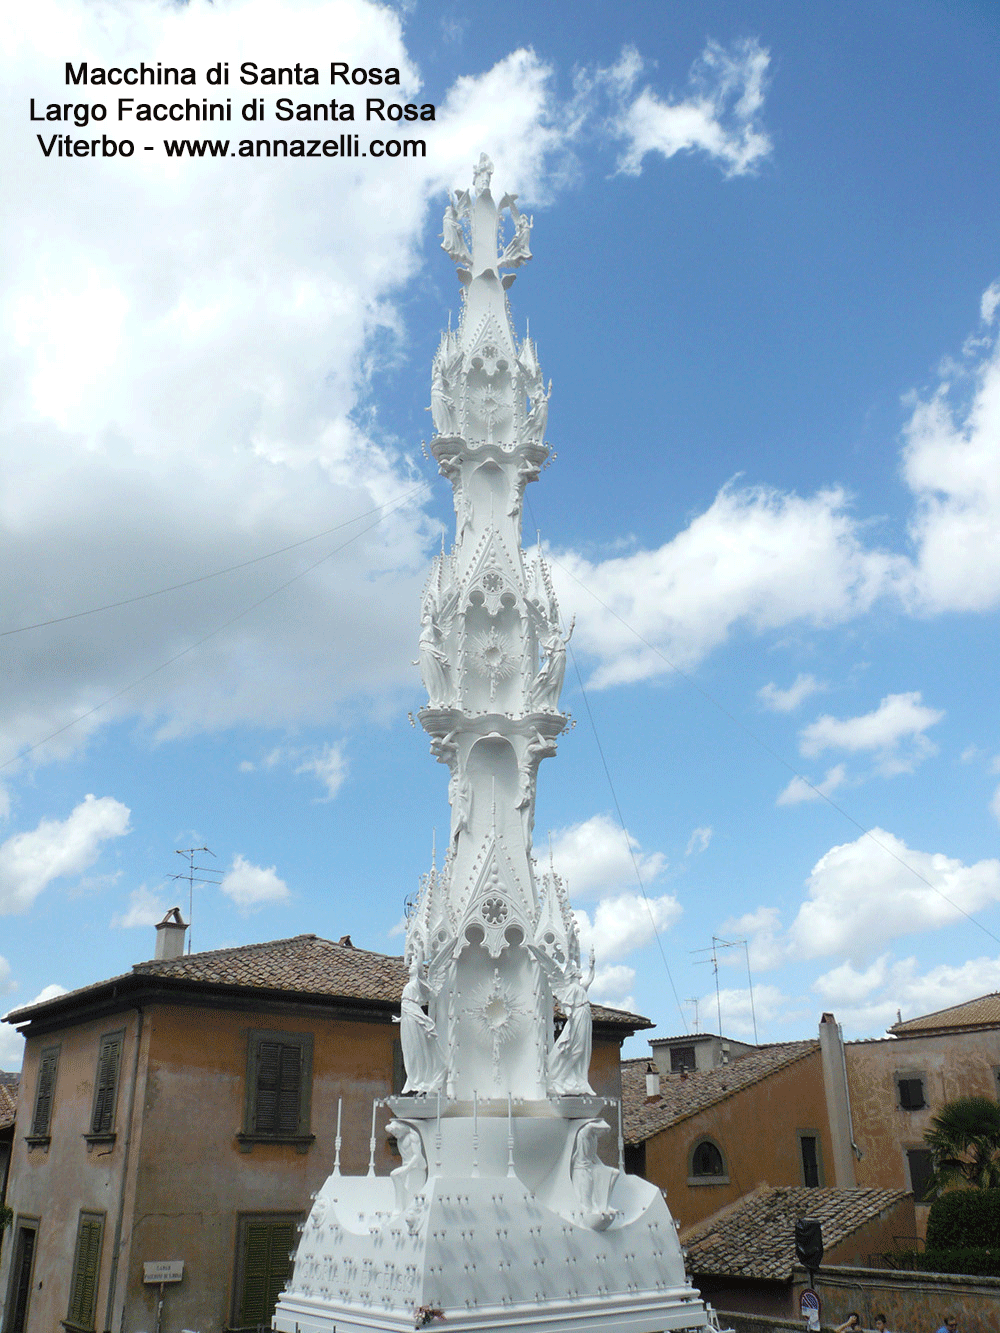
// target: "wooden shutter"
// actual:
[[267, 1266], [43, 1094], [279, 1088], [21, 1284], [107, 1085], [86, 1270]]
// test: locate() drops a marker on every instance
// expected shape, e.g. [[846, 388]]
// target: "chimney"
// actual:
[[170, 935], [652, 1083]]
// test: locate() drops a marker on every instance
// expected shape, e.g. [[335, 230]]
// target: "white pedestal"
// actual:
[[484, 1250]]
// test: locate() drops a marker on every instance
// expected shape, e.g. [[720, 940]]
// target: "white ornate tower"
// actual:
[[502, 1215]]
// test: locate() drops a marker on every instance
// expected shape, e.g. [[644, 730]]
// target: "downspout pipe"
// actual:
[[847, 1096], [126, 1153]]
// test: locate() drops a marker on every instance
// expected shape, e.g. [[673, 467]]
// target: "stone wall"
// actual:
[[912, 1302]]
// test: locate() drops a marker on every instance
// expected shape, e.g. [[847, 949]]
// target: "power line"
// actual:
[[197, 644], [229, 569], [748, 731], [628, 841]]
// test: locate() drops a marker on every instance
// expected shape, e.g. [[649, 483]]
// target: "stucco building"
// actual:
[[708, 1137], [710, 1120], [897, 1085], [186, 1111]]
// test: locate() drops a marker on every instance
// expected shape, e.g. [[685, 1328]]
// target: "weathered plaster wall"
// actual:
[[194, 1179], [959, 1064], [755, 1129], [54, 1184]]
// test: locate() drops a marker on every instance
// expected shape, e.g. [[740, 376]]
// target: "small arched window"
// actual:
[[707, 1161]]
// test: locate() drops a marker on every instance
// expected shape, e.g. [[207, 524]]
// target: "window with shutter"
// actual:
[[911, 1093], [20, 1286], [265, 1244], [86, 1272], [279, 1077], [44, 1093], [102, 1120]]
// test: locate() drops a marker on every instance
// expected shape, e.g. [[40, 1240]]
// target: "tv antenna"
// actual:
[[717, 944], [695, 1000], [194, 875]]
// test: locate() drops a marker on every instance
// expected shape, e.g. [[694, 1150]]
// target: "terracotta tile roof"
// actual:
[[8, 1102], [755, 1237], [303, 965], [981, 1013], [681, 1097]]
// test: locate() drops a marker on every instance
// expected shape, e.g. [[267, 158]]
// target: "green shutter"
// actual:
[[267, 1266], [86, 1271], [107, 1085], [43, 1095], [21, 1284], [289, 1084], [279, 1088]]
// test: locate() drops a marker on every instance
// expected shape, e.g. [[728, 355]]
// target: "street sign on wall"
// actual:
[[162, 1270]]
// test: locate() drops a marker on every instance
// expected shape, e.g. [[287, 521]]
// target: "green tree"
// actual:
[[964, 1140]]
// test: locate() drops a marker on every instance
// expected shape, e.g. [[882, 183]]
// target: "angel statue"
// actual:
[[569, 1059], [443, 412], [538, 417], [518, 250], [435, 668], [453, 238], [548, 684], [418, 1036]]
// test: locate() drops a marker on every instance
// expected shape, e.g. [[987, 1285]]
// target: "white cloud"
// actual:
[[11, 1049], [613, 986], [6, 980], [624, 923], [762, 931], [740, 1009], [786, 701], [798, 790], [990, 301], [895, 730], [49, 992], [252, 887], [57, 848], [596, 856], [144, 909], [698, 841], [867, 1001], [123, 322], [756, 558], [720, 115], [995, 805], [951, 463], [329, 766], [762, 559], [861, 896]]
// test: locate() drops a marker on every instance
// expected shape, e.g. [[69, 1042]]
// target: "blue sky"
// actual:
[[766, 287]]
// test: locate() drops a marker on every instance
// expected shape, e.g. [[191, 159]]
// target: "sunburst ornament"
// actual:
[[493, 653], [495, 1009]]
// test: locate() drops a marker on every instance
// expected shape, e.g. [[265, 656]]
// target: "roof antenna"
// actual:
[[193, 879]]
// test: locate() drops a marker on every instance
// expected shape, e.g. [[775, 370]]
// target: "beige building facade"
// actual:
[[183, 1114]]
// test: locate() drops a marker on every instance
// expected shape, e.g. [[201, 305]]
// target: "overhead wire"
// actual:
[[202, 578], [22, 754], [628, 841]]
